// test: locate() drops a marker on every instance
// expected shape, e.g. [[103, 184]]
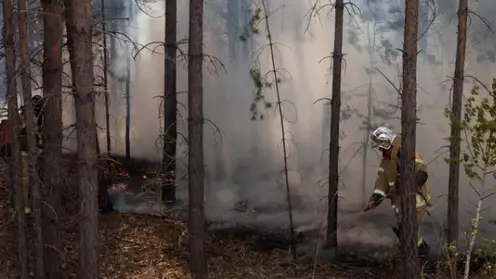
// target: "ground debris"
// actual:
[[155, 247]]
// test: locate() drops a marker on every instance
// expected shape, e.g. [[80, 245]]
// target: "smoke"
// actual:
[[244, 162]]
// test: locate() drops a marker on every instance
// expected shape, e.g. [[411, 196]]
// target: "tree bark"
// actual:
[[128, 106], [337, 58], [104, 177], [196, 170], [104, 204], [79, 33], [456, 107], [31, 138], [13, 115], [170, 103], [232, 26], [105, 78], [292, 247], [52, 134], [409, 227]]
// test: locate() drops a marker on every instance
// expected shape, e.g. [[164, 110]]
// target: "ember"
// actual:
[[118, 187], [123, 173]]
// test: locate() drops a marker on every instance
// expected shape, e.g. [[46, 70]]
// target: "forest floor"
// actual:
[[152, 247]]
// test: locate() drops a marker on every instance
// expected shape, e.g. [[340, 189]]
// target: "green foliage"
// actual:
[[479, 129], [252, 28], [260, 82], [485, 254]]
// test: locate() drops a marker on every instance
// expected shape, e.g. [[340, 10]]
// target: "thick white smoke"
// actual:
[[245, 163]]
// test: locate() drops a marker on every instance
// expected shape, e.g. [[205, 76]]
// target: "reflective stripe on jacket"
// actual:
[[387, 176]]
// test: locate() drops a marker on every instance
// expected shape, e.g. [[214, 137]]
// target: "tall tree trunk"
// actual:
[[456, 107], [104, 204], [245, 17], [31, 138], [15, 166], [292, 247], [128, 93], [196, 167], [170, 103], [408, 191], [52, 133], [128, 106], [371, 36], [105, 78], [337, 57], [232, 26], [79, 30]]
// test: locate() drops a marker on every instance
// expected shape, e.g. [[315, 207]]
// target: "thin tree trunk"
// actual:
[[128, 107], [245, 17], [456, 107], [337, 57], [15, 166], [32, 148], [409, 228], [196, 171], [366, 140], [105, 79], [170, 103], [475, 226], [52, 134], [104, 203], [127, 136], [292, 246], [232, 26], [79, 30]]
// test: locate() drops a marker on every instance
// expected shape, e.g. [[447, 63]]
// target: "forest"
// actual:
[[247, 139]]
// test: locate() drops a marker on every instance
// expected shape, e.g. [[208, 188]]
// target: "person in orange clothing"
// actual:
[[387, 182]]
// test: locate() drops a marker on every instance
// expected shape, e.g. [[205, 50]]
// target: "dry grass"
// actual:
[[145, 247], [155, 247]]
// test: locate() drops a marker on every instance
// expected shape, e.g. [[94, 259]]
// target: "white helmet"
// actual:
[[382, 138]]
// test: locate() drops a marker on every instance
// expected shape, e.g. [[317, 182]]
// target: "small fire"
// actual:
[[118, 187], [123, 173]]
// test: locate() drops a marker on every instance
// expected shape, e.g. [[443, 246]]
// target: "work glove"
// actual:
[[374, 201], [371, 205], [421, 178]]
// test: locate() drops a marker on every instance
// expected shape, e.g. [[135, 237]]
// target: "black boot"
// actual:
[[424, 250], [396, 232]]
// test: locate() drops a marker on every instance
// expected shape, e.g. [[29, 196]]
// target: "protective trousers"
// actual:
[[423, 247], [25, 180]]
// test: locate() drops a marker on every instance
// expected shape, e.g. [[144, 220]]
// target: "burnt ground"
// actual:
[[145, 246]]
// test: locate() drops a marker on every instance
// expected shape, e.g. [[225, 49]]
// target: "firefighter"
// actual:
[[387, 182], [37, 108]]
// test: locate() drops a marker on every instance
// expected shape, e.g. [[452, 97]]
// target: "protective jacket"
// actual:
[[387, 182], [25, 158], [23, 135]]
